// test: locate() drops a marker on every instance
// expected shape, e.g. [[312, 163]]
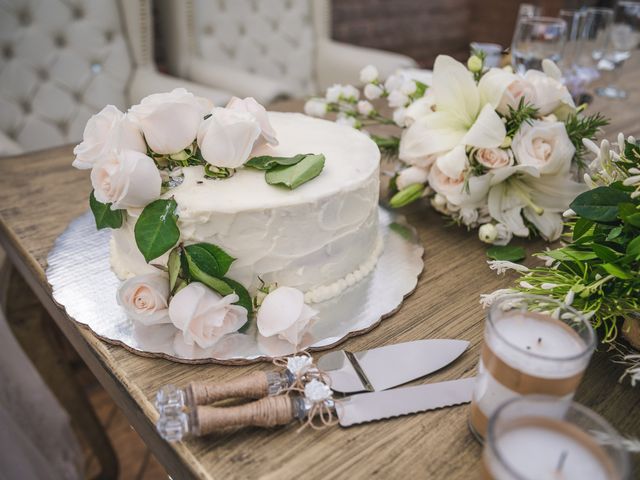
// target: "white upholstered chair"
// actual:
[[63, 60], [264, 48]]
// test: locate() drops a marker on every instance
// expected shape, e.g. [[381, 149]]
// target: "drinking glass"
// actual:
[[594, 40], [570, 62], [528, 10], [535, 39], [624, 37]]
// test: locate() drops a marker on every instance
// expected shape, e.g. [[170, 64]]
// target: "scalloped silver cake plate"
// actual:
[[82, 281]]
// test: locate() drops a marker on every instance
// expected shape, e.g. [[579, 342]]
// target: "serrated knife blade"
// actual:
[[367, 407], [389, 366]]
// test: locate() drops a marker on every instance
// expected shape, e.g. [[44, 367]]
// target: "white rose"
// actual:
[[145, 298], [333, 93], [544, 145], [170, 121], [453, 188], [504, 89], [411, 175], [493, 157], [550, 94], [284, 313], [397, 99], [251, 106], [204, 316], [227, 137], [108, 129], [372, 91], [315, 107], [368, 74], [126, 179], [365, 108]]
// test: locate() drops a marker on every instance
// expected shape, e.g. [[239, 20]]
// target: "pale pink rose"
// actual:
[[550, 94], [517, 90], [454, 191], [493, 157], [283, 313], [109, 129], [204, 316], [170, 120], [545, 146], [504, 89], [126, 179], [145, 298], [251, 106], [227, 137]]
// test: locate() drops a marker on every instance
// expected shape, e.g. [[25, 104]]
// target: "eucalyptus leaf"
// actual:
[[507, 252], [156, 230], [174, 268], [267, 162], [295, 175], [599, 204], [105, 217]]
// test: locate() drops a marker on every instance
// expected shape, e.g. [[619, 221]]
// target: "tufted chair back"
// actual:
[[60, 62], [272, 38]]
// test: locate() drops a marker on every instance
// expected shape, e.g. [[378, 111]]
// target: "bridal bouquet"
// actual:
[[489, 148], [598, 271]]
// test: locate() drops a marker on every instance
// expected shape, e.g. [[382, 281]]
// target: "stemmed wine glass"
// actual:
[[624, 37], [569, 65], [594, 41], [535, 39]]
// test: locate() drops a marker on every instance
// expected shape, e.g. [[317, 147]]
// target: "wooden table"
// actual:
[[40, 193]]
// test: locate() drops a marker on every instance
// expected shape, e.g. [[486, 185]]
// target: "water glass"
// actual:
[[535, 39]]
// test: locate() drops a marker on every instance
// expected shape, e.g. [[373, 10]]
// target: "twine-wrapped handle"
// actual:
[[266, 412], [254, 385]]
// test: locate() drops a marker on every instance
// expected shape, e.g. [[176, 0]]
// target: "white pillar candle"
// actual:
[[528, 351]]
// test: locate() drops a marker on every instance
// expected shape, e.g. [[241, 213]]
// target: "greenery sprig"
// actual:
[[580, 127], [516, 117]]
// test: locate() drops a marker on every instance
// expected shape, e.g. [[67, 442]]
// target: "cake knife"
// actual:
[[370, 370], [178, 420]]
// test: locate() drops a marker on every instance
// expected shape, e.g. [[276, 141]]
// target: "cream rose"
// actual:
[[126, 179], [145, 298], [251, 106], [550, 94], [454, 191], [493, 158], [227, 137], [170, 120], [204, 316], [284, 313], [108, 129], [545, 146], [504, 89]]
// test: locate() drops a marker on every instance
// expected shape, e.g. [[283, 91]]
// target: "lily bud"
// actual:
[[407, 195], [474, 63], [487, 233]]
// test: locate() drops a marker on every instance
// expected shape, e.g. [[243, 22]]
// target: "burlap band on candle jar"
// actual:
[[523, 383], [479, 420]]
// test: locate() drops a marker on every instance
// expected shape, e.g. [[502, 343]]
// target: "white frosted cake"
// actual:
[[320, 237]]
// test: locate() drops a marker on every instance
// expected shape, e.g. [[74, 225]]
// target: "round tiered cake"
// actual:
[[319, 238]]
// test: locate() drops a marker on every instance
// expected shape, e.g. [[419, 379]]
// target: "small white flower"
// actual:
[[394, 82], [501, 266], [568, 213], [333, 93], [350, 92], [365, 108], [315, 107], [315, 391], [368, 74], [487, 233], [486, 299], [548, 286], [372, 91], [526, 285], [344, 119], [504, 235], [397, 99], [400, 116], [299, 364], [468, 215], [569, 297], [631, 180], [408, 87], [620, 141]]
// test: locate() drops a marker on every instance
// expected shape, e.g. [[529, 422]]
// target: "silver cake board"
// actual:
[[84, 285]]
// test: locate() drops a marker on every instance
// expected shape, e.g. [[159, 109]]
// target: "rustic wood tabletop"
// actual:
[[40, 193]]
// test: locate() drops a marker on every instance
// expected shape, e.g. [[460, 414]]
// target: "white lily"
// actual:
[[540, 199], [461, 117]]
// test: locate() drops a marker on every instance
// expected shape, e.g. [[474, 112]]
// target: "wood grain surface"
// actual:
[[40, 193]]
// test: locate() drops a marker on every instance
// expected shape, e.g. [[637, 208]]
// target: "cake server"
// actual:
[[370, 370], [178, 420]]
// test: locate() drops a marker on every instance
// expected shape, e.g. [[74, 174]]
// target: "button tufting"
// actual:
[[77, 96], [62, 126], [96, 67], [108, 36], [208, 30], [12, 134], [25, 106], [42, 73], [7, 51], [241, 29], [59, 40], [77, 12], [24, 17]]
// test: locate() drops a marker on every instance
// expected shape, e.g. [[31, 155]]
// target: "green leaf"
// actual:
[[614, 233], [210, 281], [617, 271], [104, 216], [267, 162], [568, 254], [156, 230], [210, 258], [605, 253], [630, 214], [581, 227], [407, 195], [243, 295], [633, 248], [506, 252], [174, 268], [599, 204], [295, 175], [387, 144]]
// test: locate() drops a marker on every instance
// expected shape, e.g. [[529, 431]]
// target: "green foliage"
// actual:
[[390, 145], [579, 127], [524, 113], [506, 252], [599, 204], [156, 230], [104, 215], [267, 162], [407, 195], [292, 176]]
